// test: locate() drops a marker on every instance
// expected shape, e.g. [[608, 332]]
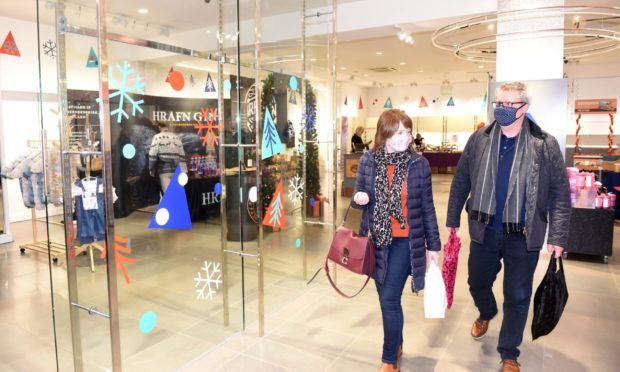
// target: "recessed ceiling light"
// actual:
[[480, 66], [227, 36], [491, 26], [208, 31], [420, 70], [402, 63], [576, 18], [365, 75], [312, 59], [379, 53], [343, 68], [143, 11]]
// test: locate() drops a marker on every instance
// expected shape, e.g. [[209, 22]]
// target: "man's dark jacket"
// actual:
[[421, 216], [548, 190]]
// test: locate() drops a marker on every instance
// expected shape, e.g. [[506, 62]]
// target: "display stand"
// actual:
[[43, 246], [610, 136], [591, 232]]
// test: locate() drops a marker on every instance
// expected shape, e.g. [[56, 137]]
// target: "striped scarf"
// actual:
[[483, 207]]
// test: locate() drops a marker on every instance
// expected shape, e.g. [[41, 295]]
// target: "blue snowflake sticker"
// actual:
[[129, 151], [130, 82], [301, 148], [297, 243], [309, 119], [148, 322]]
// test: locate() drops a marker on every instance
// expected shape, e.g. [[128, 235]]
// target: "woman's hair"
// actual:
[[388, 124], [359, 130]]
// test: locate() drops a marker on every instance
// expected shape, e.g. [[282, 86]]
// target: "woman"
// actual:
[[394, 188], [357, 140]]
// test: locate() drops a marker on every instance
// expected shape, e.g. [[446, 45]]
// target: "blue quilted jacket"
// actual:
[[423, 230]]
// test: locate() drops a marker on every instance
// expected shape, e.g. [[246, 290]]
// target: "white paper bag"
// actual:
[[435, 301]]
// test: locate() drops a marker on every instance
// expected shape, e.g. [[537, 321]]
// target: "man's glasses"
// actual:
[[516, 105]]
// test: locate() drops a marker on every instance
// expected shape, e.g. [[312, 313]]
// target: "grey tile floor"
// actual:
[[308, 328]]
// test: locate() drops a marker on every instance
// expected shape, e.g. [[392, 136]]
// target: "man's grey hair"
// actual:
[[516, 86]]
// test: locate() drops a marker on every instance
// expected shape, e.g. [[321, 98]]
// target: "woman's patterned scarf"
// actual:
[[388, 201]]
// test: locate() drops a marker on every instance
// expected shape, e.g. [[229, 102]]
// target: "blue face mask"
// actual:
[[506, 115]]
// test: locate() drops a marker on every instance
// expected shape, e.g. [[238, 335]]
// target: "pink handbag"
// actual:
[[450, 262]]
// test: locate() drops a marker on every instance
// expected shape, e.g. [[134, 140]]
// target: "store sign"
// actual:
[[596, 106]]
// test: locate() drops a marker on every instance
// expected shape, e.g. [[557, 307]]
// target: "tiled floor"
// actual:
[[308, 328]]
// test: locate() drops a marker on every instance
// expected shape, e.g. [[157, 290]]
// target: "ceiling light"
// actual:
[[420, 70], [227, 36], [208, 31], [365, 75], [491, 26], [312, 59], [480, 66], [402, 63], [143, 11], [401, 35], [343, 68], [379, 53], [409, 39], [576, 18]]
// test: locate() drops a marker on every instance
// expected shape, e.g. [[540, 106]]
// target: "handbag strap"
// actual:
[[331, 281]]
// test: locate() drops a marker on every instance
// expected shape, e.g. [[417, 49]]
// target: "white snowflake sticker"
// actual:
[[296, 189], [130, 83], [207, 286]]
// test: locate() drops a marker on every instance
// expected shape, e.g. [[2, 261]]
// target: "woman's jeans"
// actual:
[[519, 265], [390, 293]]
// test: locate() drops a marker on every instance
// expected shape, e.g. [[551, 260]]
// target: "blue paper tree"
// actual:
[[209, 86], [173, 211], [92, 60], [388, 104], [450, 102], [271, 143]]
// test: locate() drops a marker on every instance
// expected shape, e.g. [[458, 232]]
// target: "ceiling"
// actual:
[[420, 63]]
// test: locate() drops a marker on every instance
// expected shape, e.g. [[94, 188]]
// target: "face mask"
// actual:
[[506, 115], [398, 143]]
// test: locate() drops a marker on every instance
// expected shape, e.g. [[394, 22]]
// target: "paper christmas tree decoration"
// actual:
[[175, 79], [173, 212], [423, 102], [360, 105], [450, 102], [388, 104], [9, 46], [271, 143], [92, 61], [346, 101], [274, 216], [209, 87]]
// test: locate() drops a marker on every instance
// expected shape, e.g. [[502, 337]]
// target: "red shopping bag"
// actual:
[[450, 262]]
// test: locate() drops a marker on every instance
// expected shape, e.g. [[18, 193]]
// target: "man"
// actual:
[[165, 154], [513, 179]]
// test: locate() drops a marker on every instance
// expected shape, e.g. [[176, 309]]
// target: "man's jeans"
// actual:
[[484, 264], [390, 293]]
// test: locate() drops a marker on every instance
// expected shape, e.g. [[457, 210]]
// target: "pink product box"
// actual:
[[586, 199]]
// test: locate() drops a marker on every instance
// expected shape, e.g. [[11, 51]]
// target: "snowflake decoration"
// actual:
[[210, 283], [209, 122], [121, 247], [296, 189], [123, 88], [49, 49], [308, 119]]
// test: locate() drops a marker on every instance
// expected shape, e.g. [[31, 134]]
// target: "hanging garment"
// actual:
[[89, 210], [28, 168]]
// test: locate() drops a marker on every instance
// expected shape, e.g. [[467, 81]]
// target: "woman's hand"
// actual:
[[361, 198], [433, 256]]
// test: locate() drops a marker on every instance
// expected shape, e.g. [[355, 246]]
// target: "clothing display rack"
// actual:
[[42, 246]]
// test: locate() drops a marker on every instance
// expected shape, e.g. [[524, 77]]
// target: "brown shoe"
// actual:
[[479, 328], [510, 365], [388, 367]]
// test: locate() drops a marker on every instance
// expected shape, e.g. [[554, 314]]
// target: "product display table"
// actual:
[[442, 159], [591, 232], [201, 198]]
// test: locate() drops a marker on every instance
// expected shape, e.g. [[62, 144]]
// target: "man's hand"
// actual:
[[555, 248], [433, 256], [152, 173], [361, 198]]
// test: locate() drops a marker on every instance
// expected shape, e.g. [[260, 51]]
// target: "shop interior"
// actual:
[[264, 97]]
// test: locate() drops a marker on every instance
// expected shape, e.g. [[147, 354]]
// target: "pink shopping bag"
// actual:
[[450, 262]]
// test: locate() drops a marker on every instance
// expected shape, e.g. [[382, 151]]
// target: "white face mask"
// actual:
[[400, 141]]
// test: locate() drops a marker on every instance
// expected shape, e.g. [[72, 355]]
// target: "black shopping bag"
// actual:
[[549, 300]]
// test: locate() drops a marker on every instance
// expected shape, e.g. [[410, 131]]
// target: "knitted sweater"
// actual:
[[166, 153]]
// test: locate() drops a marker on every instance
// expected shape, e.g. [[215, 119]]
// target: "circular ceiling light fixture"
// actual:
[[475, 39]]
